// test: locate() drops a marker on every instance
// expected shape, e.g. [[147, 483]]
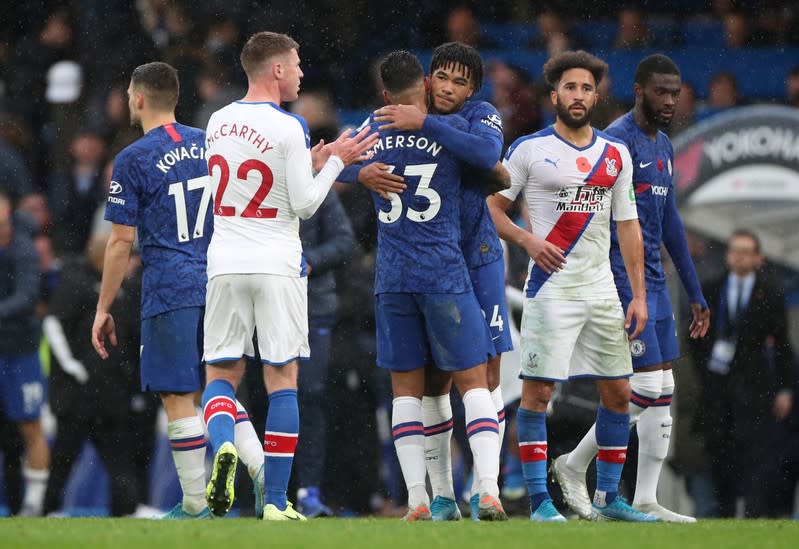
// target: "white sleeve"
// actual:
[[622, 204], [59, 345], [306, 192], [516, 165]]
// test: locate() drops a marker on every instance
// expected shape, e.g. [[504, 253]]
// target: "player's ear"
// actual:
[[427, 86], [139, 100], [638, 90], [553, 97], [387, 98]]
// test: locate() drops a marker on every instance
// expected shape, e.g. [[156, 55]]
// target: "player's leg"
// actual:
[[281, 318], [251, 453], [171, 367], [24, 394], [462, 343], [488, 282], [602, 352], [549, 331], [437, 418], [402, 349], [654, 423], [69, 440]]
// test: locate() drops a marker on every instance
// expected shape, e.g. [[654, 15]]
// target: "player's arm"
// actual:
[[306, 192], [498, 179], [677, 246], [115, 266], [477, 148], [22, 300]]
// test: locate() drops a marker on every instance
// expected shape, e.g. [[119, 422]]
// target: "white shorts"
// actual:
[[237, 304], [572, 339]]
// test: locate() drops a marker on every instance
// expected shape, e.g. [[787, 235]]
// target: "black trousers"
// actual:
[[112, 440]]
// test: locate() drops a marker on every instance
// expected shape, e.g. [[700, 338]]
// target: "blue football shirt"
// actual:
[[419, 231], [653, 164], [160, 185], [479, 238]]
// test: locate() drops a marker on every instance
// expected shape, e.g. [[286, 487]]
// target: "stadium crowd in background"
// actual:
[[64, 72]]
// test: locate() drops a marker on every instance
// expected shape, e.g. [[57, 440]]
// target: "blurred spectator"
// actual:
[[747, 373], [462, 26], [515, 99], [15, 179], [737, 29], [76, 193], [317, 109], [633, 31], [87, 396], [64, 97], [216, 90], [685, 110], [35, 206], [722, 95], [553, 33], [119, 131], [23, 390], [792, 87], [222, 42], [607, 108]]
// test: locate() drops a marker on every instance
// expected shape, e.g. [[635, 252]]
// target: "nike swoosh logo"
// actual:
[[495, 338], [642, 165]]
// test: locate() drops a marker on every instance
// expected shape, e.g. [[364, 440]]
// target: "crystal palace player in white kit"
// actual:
[[574, 177], [260, 162]]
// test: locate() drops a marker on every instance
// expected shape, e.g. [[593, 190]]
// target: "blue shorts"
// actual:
[[658, 342], [171, 351], [415, 329], [22, 386], [489, 289]]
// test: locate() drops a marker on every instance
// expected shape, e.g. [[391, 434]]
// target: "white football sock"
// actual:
[[499, 404], [408, 432], [437, 417], [190, 464], [654, 435], [35, 487], [482, 430], [248, 444]]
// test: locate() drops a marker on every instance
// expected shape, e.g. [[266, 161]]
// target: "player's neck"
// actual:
[[156, 119], [579, 137], [258, 92], [643, 123]]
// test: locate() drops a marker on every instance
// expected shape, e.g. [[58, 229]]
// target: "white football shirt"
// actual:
[[259, 161], [571, 192]]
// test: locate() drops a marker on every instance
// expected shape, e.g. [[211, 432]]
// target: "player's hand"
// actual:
[[638, 312], [377, 177], [700, 322], [354, 148], [546, 255], [400, 117], [319, 155], [103, 326], [783, 403]]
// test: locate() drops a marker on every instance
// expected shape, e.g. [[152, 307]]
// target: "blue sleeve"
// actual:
[[122, 206], [350, 173], [477, 149], [677, 246]]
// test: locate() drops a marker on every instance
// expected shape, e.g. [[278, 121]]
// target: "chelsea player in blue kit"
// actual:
[[456, 73], [657, 88], [160, 186], [426, 311]]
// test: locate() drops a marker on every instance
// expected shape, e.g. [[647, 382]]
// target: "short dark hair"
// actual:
[[262, 46], [554, 68], [454, 54], [159, 82], [654, 64], [400, 70], [746, 233]]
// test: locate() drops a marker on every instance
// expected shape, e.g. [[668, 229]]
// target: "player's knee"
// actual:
[[493, 372], [536, 395], [667, 386]]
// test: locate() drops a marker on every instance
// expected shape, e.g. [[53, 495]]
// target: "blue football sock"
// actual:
[[219, 412], [532, 433], [280, 442], [612, 435]]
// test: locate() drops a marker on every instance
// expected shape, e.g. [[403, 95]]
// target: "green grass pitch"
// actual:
[[388, 533]]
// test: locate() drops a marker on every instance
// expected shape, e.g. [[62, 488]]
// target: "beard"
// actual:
[[653, 117], [566, 117]]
